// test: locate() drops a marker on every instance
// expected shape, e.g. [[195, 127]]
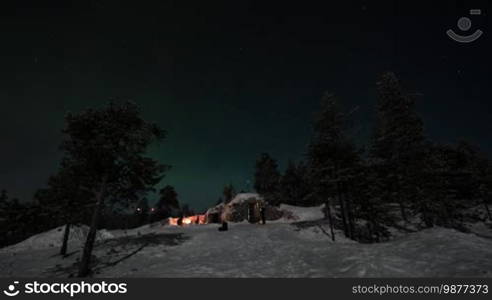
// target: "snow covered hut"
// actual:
[[247, 206]]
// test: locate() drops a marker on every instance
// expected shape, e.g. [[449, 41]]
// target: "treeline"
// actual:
[[20, 220], [228, 193], [400, 177], [102, 180]]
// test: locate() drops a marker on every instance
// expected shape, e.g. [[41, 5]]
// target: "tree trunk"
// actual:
[[402, 211], [343, 211], [84, 267], [350, 215], [376, 231], [371, 231], [63, 250], [427, 218], [448, 215], [330, 218], [400, 201], [351, 222], [487, 208]]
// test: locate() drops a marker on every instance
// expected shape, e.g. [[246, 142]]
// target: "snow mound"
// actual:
[[240, 198], [297, 213], [216, 209], [53, 239]]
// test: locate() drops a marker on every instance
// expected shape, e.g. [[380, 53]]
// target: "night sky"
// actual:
[[229, 80]]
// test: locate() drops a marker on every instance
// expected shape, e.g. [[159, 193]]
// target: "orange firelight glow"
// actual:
[[197, 219]]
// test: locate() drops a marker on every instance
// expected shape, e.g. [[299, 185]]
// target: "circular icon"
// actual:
[[464, 24], [11, 290]]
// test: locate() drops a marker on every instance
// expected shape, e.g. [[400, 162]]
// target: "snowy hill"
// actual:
[[53, 239], [277, 249]]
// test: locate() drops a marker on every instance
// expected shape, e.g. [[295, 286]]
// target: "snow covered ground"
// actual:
[[277, 249], [51, 239]]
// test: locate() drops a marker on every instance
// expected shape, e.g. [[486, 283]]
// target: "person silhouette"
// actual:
[[224, 226], [262, 215]]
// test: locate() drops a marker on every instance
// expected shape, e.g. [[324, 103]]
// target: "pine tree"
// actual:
[[289, 184], [13, 220], [484, 177], [294, 186], [106, 150], [186, 211], [3, 218], [454, 178], [64, 200], [168, 202], [143, 212], [398, 145], [435, 203], [485, 188], [333, 159], [229, 192], [267, 178], [368, 203], [3, 204], [474, 185], [3, 197]]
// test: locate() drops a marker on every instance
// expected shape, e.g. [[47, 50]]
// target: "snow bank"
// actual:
[[297, 213], [53, 239]]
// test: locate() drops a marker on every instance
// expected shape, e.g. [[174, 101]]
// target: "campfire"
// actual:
[[197, 219]]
